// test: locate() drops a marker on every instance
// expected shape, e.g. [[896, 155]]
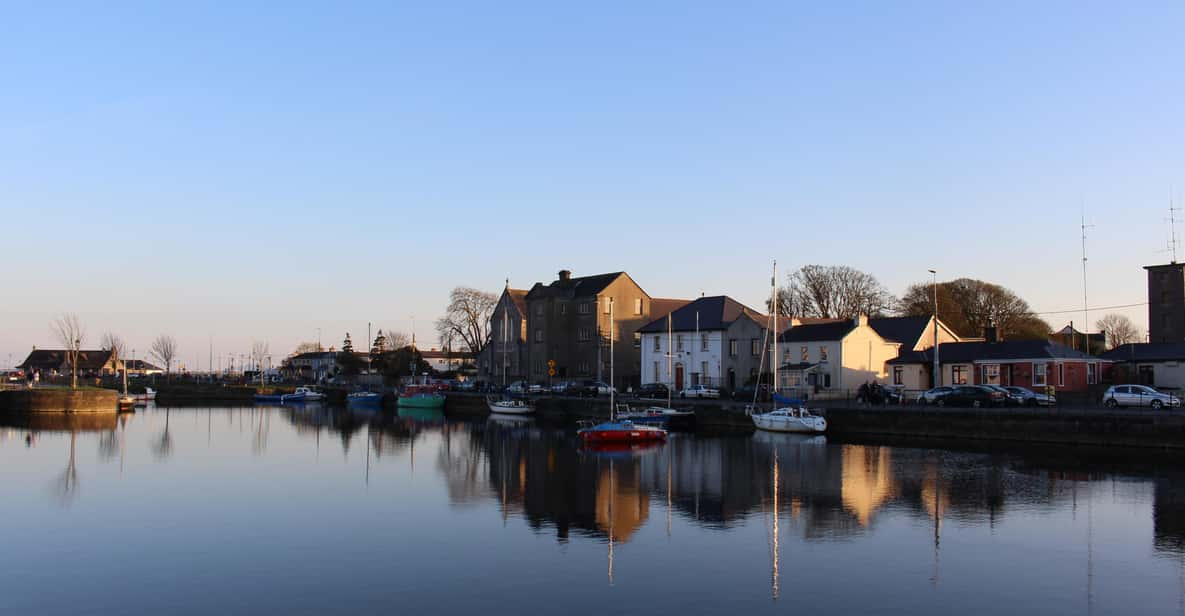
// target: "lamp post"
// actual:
[[937, 369]]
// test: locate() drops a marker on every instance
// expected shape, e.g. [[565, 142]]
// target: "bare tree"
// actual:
[[70, 333], [307, 347], [1118, 330], [834, 291], [164, 348], [113, 342], [467, 318], [396, 339], [259, 352]]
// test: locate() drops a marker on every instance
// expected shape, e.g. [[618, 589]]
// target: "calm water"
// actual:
[[317, 511]]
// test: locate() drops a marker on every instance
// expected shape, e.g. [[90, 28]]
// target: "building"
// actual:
[[1070, 336], [1035, 364], [714, 341], [1157, 364], [140, 367], [504, 356], [568, 327], [844, 354], [312, 367], [1166, 302], [55, 362], [447, 361]]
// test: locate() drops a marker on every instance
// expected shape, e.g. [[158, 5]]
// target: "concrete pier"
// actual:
[[59, 400]]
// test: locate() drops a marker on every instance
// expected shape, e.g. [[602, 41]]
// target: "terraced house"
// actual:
[[714, 341]]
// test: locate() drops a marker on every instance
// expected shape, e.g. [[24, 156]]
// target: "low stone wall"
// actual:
[[55, 400]]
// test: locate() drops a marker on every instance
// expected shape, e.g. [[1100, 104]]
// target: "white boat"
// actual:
[[508, 405], [303, 394], [143, 399], [790, 419]]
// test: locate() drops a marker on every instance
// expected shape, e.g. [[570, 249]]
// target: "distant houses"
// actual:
[[51, 362], [1035, 364]]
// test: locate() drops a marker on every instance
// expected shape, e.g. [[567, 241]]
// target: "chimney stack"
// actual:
[[565, 275], [861, 319], [989, 334]]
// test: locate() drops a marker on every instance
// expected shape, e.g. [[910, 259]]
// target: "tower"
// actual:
[[1166, 302]]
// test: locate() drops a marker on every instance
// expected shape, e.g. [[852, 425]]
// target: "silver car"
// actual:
[[1028, 397], [930, 396], [1138, 395]]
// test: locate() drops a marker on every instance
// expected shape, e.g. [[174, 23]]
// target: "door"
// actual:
[[678, 377], [732, 379]]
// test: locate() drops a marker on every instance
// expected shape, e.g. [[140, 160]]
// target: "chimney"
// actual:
[[989, 334], [565, 275], [861, 319]]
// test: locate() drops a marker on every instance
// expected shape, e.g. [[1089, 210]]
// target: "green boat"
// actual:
[[421, 401]]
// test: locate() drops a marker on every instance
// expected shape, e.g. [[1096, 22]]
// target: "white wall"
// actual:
[[692, 356]]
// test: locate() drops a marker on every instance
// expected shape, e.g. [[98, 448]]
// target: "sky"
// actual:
[[228, 172]]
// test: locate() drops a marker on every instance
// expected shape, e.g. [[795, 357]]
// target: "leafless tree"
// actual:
[[307, 347], [259, 352], [70, 333], [467, 319], [1118, 330], [164, 348], [396, 340], [113, 342], [834, 291]]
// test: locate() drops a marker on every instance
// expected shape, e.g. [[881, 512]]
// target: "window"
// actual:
[[822, 353], [1092, 374], [703, 369], [582, 367], [679, 343], [608, 305], [638, 306], [732, 347], [991, 374], [1038, 375], [958, 375], [806, 353], [563, 307], [637, 340], [657, 343], [585, 308], [703, 342], [898, 374], [1061, 375], [582, 334], [539, 335], [754, 347]]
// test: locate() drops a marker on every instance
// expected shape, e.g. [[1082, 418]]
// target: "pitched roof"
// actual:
[[716, 312], [581, 286], [139, 364], [660, 307], [906, 330], [967, 352], [1147, 351], [830, 330], [48, 359]]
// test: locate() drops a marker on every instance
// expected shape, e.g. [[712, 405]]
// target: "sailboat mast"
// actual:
[[670, 358], [611, 380], [774, 304]]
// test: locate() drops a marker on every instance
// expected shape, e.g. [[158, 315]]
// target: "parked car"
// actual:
[[536, 388], [930, 396], [699, 391], [1010, 399], [1028, 397], [750, 392], [604, 389], [558, 387], [583, 388], [651, 390], [523, 387], [1138, 395], [971, 395]]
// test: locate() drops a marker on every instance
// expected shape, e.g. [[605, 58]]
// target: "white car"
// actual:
[[604, 389], [699, 391], [1138, 395]]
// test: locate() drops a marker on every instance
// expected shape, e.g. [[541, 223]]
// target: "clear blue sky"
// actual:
[[256, 170]]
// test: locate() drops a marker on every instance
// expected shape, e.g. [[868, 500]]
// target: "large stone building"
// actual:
[[568, 327], [714, 341], [1166, 302], [504, 356]]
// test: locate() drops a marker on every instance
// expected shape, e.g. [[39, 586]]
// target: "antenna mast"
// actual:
[[1085, 305], [1173, 227]]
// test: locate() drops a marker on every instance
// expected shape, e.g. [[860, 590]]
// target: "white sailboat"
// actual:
[[508, 405], [788, 418], [126, 402]]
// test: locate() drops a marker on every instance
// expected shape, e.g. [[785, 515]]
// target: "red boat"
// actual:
[[621, 432]]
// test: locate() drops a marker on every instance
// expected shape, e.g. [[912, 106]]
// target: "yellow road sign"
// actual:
[[551, 363], [551, 372]]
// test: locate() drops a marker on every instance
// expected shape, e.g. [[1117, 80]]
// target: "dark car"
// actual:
[[971, 395], [651, 390], [583, 388]]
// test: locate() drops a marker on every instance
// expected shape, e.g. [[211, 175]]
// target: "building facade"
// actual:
[[504, 356], [1166, 302], [713, 341], [1156, 364], [57, 362], [1035, 364]]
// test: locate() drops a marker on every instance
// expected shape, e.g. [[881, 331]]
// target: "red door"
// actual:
[[678, 377]]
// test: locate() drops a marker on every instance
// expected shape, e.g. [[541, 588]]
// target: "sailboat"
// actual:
[[665, 416], [508, 405], [614, 430], [126, 402], [790, 418]]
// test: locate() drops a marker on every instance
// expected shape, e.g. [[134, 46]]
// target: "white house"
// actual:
[[714, 341]]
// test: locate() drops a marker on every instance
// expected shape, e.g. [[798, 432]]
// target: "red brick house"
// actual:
[[1035, 364]]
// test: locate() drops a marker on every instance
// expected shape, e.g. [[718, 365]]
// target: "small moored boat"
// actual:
[[664, 416], [420, 398], [302, 394], [510, 406], [364, 398], [790, 419]]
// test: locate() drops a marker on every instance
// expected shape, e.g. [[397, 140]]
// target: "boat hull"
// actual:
[[794, 425], [421, 402], [504, 407], [622, 432]]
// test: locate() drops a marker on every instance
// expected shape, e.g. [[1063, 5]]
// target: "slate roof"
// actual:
[[715, 313], [139, 364], [906, 330], [519, 297], [51, 359], [1147, 351], [660, 307], [581, 286], [833, 330], [1009, 350]]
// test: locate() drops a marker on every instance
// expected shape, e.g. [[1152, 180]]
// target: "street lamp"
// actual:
[[937, 369]]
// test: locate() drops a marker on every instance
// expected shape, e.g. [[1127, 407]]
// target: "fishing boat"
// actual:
[[368, 399], [508, 405], [794, 417], [615, 430], [302, 394], [420, 398]]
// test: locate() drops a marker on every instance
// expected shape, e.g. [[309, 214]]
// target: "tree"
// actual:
[[467, 319], [1118, 330], [70, 333], [969, 306], [403, 361], [307, 347], [113, 342], [164, 348], [833, 292], [348, 362], [259, 352], [397, 339]]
